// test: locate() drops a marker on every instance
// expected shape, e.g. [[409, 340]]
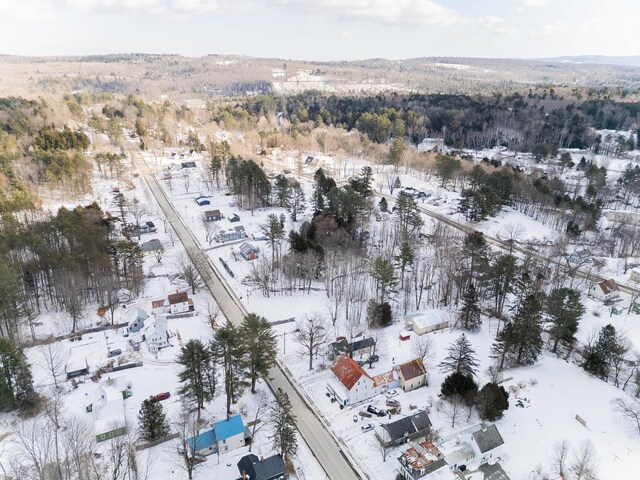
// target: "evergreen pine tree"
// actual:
[[195, 359], [564, 309], [16, 381], [283, 422], [501, 276], [475, 250], [231, 353], [505, 340], [470, 313], [492, 401], [274, 232], [408, 214], [460, 385], [296, 202], [461, 357], [281, 190], [260, 346], [527, 328], [404, 258], [152, 420], [599, 357]]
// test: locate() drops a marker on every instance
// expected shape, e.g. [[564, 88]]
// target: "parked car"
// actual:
[[392, 393], [367, 427], [373, 358], [376, 411], [392, 402], [355, 418], [160, 396], [114, 353]]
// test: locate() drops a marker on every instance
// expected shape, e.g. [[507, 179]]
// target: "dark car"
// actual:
[[376, 411], [114, 353], [160, 396]]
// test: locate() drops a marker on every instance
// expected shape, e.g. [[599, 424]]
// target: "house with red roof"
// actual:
[[351, 383], [412, 374]]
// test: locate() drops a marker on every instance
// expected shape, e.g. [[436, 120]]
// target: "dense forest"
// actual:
[[537, 122], [64, 262]]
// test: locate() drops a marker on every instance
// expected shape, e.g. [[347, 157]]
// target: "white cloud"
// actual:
[[156, 7], [535, 3], [422, 12]]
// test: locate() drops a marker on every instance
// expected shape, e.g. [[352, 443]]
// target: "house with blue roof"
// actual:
[[224, 435]]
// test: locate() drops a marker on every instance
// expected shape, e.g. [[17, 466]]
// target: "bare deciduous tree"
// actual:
[[188, 273], [423, 346], [158, 254], [54, 359], [628, 410], [186, 426], [262, 407], [560, 457], [311, 335], [453, 409], [584, 465]]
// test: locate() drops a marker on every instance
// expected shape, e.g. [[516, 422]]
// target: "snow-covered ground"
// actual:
[[159, 371]]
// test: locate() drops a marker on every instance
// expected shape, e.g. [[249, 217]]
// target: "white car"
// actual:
[[367, 427], [392, 393]]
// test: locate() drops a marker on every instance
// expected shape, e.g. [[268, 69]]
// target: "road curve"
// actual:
[[320, 442]]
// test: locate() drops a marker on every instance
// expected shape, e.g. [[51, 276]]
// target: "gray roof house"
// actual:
[[487, 438], [253, 468], [580, 257], [359, 347], [151, 246], [248, 251], [404, 429]]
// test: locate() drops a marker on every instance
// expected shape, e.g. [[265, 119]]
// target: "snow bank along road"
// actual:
[[326, 450]]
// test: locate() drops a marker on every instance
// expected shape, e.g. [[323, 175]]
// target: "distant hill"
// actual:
[[627, 61]]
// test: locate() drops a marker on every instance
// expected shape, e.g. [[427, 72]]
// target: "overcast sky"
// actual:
[[322, 29]]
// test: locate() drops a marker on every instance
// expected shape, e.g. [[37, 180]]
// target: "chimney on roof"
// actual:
[[261, 458]]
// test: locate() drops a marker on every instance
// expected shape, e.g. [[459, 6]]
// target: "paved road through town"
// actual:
[[321, 443]]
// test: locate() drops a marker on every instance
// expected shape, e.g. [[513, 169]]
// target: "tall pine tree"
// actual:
[[260, 345], [195, 360], [469, 318], [599, 357], [230, 352], [564, 309], [461, 357], [152, 420], [283, 422], [527, 326], [16, 382]]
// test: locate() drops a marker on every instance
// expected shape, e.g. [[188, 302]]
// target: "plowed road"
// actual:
[[321, 443]]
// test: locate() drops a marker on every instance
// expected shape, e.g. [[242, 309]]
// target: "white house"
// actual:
[[473, 446], [107, 408], [156, 334], [351, 384], [427, 321], [412, 374], [605, 290], [175, 303]]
